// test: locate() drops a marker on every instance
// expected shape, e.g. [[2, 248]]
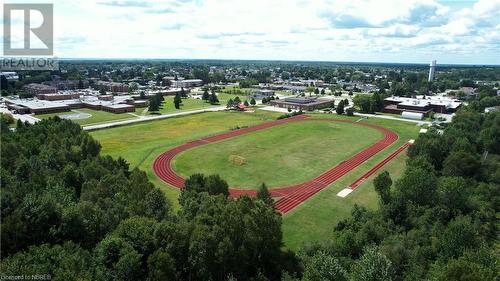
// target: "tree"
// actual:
[[159, 98], [382, 183], [264, 195], [252, 101], [246, 103], [461, 163], [153, 105], [230, 104], [323, 91], [4, 83], [372, 266], [324, 267], [213, 99], [350, 111], [310, 90], [177, 101], [459, 235], [212, 184], [417, 186], [237, 100], [454, 193], [340, 108], [215, 185], [7, 118], [61, 262], [161, 266], [206, 95], [316, 91], [363, 102], [376, 102], [156, 205], [183, 93], [490, 133], [133, 87], [116, 258], [247, 83]]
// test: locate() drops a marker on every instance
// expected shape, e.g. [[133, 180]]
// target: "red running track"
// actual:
[[290, 196], [375, 168]]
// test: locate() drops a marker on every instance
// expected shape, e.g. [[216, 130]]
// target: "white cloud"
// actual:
[[360, 30]]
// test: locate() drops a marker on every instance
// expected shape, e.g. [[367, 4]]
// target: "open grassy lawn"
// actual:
[[141, 143], [234, 89], [98, 116], [284, 93], [314, 219], [279, 156], [191, 104]]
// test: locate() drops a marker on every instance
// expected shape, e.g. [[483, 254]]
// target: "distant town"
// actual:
[[120, 87]]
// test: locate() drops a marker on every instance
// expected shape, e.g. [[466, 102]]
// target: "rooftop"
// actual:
[[422, 101], [35, 103]]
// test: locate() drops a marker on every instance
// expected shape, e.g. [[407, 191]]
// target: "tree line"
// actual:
[[437, 222], [72, 213]]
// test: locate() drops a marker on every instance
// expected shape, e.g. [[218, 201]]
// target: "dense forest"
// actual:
[[71, 213]]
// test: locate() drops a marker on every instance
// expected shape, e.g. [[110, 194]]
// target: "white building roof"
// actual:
[[421, 101]]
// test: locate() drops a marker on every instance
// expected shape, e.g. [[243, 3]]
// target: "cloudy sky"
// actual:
[[372, 31]]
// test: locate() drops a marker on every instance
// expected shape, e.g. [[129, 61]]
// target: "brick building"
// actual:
[[36, 89], [301, 103], [112, 86]]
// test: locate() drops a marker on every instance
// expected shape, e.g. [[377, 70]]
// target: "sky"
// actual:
[[401, 31]]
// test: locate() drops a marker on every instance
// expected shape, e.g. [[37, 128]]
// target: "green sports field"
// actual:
[[278, 156], [313, 220], [141, 143]]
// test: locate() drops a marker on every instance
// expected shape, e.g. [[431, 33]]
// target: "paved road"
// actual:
[[150, 118], [22, 117]]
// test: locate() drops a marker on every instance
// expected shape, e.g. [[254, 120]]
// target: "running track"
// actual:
[[290, 196], [372, 171]]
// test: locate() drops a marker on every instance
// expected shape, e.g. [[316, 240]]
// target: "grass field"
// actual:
[[292, 153], [193, 104], [313, 220], [98, 116], [232, 89], [141, 143]]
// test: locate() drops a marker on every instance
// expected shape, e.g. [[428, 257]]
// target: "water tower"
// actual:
[[432, 68]]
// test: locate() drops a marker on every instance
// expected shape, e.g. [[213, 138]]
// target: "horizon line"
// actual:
[[280, 60]]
